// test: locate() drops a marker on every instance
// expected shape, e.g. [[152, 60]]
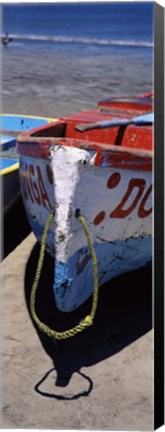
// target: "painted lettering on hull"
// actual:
[[34, 186], [136, 196]]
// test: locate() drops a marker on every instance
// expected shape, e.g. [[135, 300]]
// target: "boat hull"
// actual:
[[111, 188]]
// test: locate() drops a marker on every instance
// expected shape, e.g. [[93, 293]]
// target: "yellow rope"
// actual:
[[88, 320]]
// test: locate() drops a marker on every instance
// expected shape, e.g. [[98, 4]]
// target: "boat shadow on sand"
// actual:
[[124, 314], [15, 228]]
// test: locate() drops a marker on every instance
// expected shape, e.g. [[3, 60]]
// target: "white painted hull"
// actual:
[[116, 203]]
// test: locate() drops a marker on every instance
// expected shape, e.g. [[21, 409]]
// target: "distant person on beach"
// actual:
[[6, 39]]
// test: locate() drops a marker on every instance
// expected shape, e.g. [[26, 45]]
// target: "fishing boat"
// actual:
[[95, 165], [142, 102], [11, 126]]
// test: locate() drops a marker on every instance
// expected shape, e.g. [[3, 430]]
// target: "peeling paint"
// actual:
[[116, 203], [82, 261]]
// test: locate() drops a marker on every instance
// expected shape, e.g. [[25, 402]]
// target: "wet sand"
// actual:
[[101, 379]]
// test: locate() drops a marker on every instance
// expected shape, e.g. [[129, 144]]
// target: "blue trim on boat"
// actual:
[[120, 256], [21, 123], [7, 162], [7, 142]]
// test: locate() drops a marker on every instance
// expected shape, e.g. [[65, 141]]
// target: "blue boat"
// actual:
[[11, 126]]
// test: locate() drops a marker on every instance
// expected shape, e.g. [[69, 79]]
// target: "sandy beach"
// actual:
[[55, 87], [101, 379]]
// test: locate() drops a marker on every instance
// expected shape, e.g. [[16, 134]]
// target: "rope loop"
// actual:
[[88, 320]]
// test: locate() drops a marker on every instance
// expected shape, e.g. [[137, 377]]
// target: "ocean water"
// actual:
[[76, 52], [101, 27]]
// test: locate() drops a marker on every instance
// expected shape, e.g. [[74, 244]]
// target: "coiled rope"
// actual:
[[88, 320]]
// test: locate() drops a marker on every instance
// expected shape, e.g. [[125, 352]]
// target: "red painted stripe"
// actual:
[[107, 155], [34, 150], [123, 160]]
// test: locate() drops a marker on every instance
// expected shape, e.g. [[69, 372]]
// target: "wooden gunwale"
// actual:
[[10, 132], [106, 155], [74, 142]]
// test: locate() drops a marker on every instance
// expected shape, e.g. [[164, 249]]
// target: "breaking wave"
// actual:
[[82, 40]]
